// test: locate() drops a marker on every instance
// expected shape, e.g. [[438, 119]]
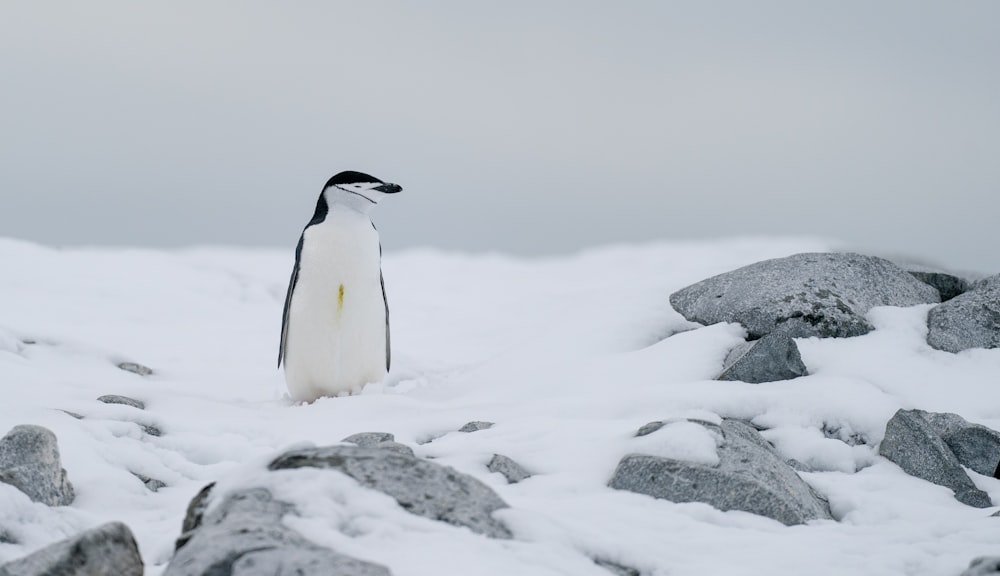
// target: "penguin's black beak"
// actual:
[[389, 188]]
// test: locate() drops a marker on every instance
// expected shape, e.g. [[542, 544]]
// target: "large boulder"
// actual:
[[812, 294], [29, 461], [107, 549], [774, 357], [971, 320], [750, 476], [244, 536], [947, 285], [975, 446], [913, 443], [420, 486]]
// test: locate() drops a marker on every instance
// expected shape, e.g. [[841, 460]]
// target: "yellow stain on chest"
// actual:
[[340, 298]]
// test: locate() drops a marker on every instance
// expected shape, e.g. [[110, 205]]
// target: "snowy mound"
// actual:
[[155, 371]]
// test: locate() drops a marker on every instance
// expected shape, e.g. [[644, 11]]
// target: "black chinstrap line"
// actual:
[[355, 193]]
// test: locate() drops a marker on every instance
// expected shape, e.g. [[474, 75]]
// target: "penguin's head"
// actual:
[[357, 190]]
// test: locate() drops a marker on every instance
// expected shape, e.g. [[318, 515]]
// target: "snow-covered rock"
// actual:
[[29, 461], [913, 443], [475, 426], [369, 439], [244, 536], [774, 357], [421, 487], [107, 549], [971, 320], [123, 400], [810, 294], [750, 476]]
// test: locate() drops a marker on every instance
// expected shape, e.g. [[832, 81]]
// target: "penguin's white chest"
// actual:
[[336, 323]]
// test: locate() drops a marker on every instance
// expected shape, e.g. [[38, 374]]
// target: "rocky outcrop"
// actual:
[[947, 285], [419, 486], [774, 357], [107, 549], [813, 294], [244, 536], [29, 461], [971, 320], [750, 476], [914, 444]]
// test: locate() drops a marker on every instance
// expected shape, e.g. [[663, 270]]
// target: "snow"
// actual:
[[568, 356]]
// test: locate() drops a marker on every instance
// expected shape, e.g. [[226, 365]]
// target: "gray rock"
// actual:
[[947, 285], [196, 510], [151, 483], [983, 566], [124, 400], [475, 426], [150, 429], [971, 320], [773, 357], [395, 447], [245, 536], [29, 461], [649, 428], [510, 469], [419, 486], [617, 569], [369, 439], [815, 294], [975, 446], [107, 549], [914, 445], [750, 476], [135, 368]]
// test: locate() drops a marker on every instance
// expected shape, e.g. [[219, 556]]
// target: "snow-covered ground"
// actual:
[[568, 356]]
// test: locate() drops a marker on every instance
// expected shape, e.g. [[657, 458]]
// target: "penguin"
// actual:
[[335, 325]]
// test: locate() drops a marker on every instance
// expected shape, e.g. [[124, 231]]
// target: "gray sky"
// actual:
[[531, 127]]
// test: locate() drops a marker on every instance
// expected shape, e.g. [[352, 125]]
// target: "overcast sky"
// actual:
[[532, 127]]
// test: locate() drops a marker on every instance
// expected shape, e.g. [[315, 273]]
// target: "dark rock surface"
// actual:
[[774, 357], [107, 549], [29, 461], [244, 536], [947, 285], [649, 428], [912, 442], [135, 368], [971, 320], [510, 469], [983, 566], [419, 486], [812, 294], [475, 426], [151, 483], [617, 569], [750, 476], [124, 400], [975, 446]]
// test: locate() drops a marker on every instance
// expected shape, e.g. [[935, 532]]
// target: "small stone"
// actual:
[[983, 566], [475, 426], [124, 400], [73, 414], [29, 461], [617, 569], [151, 430], [914, 445], [510, 469], [135, 368], [649, 428], [151, 483], [369, 439], [107, 549], [774, 357]]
